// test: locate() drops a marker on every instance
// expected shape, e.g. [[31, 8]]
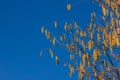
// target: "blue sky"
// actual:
[[21, 39]]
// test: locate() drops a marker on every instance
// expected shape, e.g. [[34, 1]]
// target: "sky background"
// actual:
[[21, 39]]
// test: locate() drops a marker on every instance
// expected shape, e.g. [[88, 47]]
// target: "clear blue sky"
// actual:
[[21, 39]]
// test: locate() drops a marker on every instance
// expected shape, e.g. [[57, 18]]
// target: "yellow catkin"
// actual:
[[95, 74], [105, 11], [90, 44], [98, 37], [54, 41], [71, 46], [55, 24], [82, 33], [57, 60], [41, 53], [77, 31], [76, 38], [117, 41], [113, 5], [105, 63], [81, 68], [84, 59], [118, 30], [48, 35], [71, 57], [118, 2], [65, 26], [42, 29], [107, 2], [61, 37], [95, 54], [51, 53], [68, 7], [71, 71], [108, 69], [88, 63]]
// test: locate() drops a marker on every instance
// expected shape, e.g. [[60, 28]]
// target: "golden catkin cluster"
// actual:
[[90, 50]]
